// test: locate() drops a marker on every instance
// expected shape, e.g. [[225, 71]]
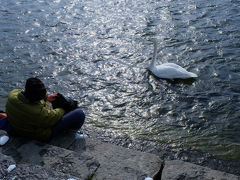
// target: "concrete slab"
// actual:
[[176, 169], [117, 162], [28, 172], [35, 172], [93, 159], [5, 162], [58, 159], [64, 140]]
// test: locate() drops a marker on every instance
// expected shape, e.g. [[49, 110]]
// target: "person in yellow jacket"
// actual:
[[30, 116]]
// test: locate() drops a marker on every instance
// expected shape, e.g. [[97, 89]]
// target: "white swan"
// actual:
[[168, 70]]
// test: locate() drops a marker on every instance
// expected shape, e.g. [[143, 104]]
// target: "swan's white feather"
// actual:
[[168, 70], [171, 71]]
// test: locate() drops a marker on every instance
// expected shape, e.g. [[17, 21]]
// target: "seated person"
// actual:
[[30, 116]]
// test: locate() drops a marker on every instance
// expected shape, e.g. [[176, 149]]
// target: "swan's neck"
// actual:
[[154, 54]]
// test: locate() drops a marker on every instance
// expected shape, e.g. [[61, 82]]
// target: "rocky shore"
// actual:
[[163, 151], [69, 158]]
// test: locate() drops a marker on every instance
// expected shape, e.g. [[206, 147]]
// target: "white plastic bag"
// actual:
[[3, 140]]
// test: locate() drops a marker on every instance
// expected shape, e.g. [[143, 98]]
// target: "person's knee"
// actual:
[[80, 116]]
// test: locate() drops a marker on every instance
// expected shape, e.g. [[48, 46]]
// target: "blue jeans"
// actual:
[[6, 126], [72, 120]]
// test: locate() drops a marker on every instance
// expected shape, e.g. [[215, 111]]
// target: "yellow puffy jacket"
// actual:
[[33, 120]]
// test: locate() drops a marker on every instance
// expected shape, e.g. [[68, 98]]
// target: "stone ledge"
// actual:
[[118, 162], [58, 159], [176, 170], [28, 171], [93, 159]]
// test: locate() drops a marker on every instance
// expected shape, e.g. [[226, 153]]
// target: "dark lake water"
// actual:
[[97, 52]]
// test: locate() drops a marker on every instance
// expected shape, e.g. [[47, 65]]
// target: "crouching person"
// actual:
[[30, 115]]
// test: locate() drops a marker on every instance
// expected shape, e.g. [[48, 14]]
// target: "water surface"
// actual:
[[97, 52]]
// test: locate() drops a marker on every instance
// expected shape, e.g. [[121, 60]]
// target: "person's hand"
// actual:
[[66, 103], [3, 115], [59, 101], [52, 97]]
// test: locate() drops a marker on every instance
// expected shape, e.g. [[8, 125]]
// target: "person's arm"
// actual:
[[47, 117]]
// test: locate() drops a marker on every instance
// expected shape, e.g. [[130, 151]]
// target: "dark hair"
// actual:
[[34, 90]]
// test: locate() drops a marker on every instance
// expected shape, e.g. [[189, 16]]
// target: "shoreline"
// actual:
[[101, 157], [162, 150]]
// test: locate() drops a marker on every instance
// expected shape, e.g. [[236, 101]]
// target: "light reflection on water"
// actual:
[[97, 52]]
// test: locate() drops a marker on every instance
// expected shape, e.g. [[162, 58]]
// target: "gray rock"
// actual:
[[117, 162], [27, 171], [58, 159], [180, 170], [64, 140], [5, 162], [35, 172], [93, 159], [11, 147], [2, 132]]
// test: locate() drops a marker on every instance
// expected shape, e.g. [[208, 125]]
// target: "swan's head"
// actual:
[[150, 39], [153, 40]]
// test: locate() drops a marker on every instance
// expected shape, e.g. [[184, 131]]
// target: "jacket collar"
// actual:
[[22, 97]]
